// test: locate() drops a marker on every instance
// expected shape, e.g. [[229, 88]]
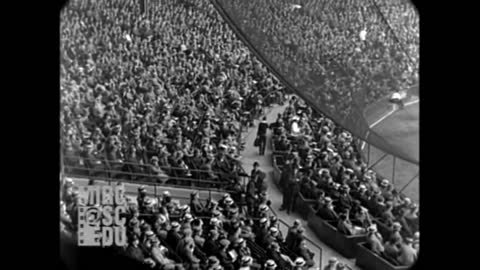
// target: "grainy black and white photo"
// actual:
[[239, 134]]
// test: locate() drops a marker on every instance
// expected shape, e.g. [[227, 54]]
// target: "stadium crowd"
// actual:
[[336, 51], [165, 234], [321, 162], [164, 93]]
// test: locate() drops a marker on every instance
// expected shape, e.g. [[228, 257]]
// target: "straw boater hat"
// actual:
[[384, 183], [213, 261], [332, 260], [246, 260], [228, 201], [273, 230], [270, 264], [299, 262]]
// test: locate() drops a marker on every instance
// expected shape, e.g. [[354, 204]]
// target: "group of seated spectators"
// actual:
[[165, 94], [322, 162], [342, 54], [209, 234], [160, 95]]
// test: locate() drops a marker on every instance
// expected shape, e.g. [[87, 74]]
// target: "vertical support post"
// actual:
[[393, 171], [368, 154]]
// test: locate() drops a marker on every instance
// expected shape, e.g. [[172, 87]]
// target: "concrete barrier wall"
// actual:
[[368, 260], [328, 233]]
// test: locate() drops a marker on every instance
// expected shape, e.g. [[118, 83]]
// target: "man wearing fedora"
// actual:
[[332, 264], [375, 240], [407, 254], [262, 135], [327, 212], [269, 265]]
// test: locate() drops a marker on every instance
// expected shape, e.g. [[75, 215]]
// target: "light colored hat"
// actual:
[[228, 201], [384, 183], [246, 260], [397, 225], [263, 220], [188, 217], [149, 233], [332, 260], [270, 264], [299, 262], [263, 208], [273, 230]]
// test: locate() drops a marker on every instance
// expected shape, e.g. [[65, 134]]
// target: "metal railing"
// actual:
[[310, 241], [129, 172]]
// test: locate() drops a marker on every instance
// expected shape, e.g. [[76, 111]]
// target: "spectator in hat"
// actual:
[[416, 241], [211, 245], [247, 231], [332, 264], [159, 255], [251, 197], [327, 212], [293, 191], [345, 226], [262, 135], [270, 237], [134, 251], [411, 217], [195, 205], [345, 201], [224, 257], [142, 195], [241, 248], [299, 264], [292, 234], [160, 227], [212, 262], [407, 254], [262, 231], [392, 248], [287, 172], [186, 240], [269, 265], [273, 252], [394, 231], [197, 236], [305, 253], [246, 263], [173, 236], [375, 240], [261, 185], [190, 259]]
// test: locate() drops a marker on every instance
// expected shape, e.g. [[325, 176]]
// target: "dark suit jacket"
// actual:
[[173, 238], [307, 255], [197, 208], [211, 247], [274, 255], [135, 253], [327, 214], [262, 129]]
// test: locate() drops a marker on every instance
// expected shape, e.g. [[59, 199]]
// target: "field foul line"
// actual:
[[385, 116]]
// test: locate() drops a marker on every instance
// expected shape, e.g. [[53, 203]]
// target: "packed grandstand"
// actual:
[[161, 94]]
